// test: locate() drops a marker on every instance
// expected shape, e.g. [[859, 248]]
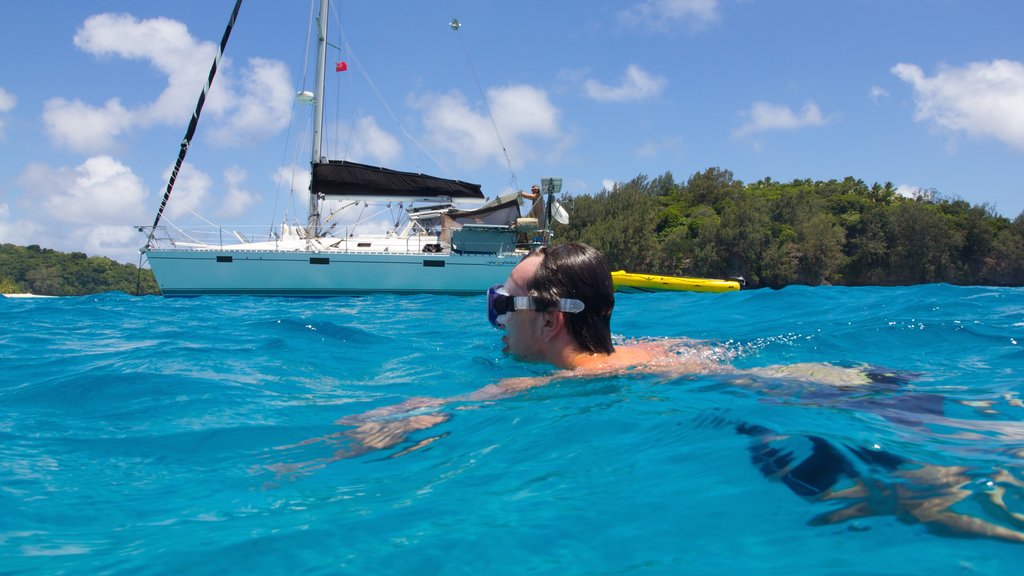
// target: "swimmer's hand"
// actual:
[[419, 403], [388, 433]]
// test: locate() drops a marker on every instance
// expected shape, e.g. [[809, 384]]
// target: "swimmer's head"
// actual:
[[579, 272]]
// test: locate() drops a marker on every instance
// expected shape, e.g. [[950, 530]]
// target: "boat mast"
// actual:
[[313, 224]]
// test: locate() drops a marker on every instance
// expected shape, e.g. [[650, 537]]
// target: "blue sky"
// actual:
[[95, 97]]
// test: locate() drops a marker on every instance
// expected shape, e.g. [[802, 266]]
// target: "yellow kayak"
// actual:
[[631, 282]]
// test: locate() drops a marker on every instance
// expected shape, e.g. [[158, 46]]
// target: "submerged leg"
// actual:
[[815, 473]]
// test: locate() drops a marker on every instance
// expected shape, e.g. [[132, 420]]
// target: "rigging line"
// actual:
[[138, 277], [350, 91], [373, 86], [291, 170], [337, 115], [200, 216], [191, 131], [480, 88], [284, 158], [352, 119], [309, 36], [360, 220], [339, 150], [185, 233], [291, 125], [295, 165]]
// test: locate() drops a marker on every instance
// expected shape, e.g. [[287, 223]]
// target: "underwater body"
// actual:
[[156, 436]]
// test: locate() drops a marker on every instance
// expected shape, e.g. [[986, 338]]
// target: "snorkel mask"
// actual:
[[500, 304]]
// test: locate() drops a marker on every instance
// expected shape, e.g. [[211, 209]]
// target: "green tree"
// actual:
[[1004, 265], [45, 280], [924, 245], [621, 223], [820, 240], [868, 258], [9, 286], [712, 187], [48, 272], [774, 233]]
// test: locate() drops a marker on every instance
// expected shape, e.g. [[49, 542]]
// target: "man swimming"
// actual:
[[555, 308]]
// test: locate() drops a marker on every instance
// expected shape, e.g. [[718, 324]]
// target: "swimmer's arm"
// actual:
[[366, 437], [418, 404], [388, 426], [505, 388], [379, 429], [424, 405]]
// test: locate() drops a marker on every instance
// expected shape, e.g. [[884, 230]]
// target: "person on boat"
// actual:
[[556, 307], [533, 194]]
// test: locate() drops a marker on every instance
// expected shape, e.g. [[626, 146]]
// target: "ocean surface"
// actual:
[[201, 436]]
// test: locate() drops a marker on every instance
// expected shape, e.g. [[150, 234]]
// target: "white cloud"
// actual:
[[908, 191], [20, 232], [237, 199], [164, 44], [876, 93], [523, 110], [764, 116], [452, 125], [119, 243], [82, 127], [983, 99], [264, 106], [662, 14], [191, 189], [370, 141], [99, 202], [259, 107], [101, 190], [523, 114], [293, 178], [7, 103], [636, 85], [608, 184]]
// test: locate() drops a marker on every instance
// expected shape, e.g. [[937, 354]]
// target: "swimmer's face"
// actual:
[[523, 337]]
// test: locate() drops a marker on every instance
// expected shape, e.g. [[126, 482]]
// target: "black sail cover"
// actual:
[[343, 178]]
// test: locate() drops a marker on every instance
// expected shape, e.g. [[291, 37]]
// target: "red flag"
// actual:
[[341, 66]]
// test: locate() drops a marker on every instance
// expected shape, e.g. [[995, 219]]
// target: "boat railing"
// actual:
[[166, 237], [343, 240]]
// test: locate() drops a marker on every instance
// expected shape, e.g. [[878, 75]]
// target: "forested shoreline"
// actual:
[[803, 232], [772, 234], [51, 273]]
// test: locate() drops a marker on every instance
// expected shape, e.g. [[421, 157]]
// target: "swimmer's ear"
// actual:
[[554, 322]]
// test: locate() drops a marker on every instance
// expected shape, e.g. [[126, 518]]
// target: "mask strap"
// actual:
[[570, 305]]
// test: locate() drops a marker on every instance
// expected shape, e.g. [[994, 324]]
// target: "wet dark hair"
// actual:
[[578, 271]]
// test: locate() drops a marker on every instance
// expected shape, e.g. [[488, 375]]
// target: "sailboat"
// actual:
[[436, 247]]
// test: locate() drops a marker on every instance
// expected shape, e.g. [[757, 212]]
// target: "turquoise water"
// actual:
[[165, 436]]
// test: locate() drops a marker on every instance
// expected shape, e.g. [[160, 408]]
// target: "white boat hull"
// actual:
[[308, 273]]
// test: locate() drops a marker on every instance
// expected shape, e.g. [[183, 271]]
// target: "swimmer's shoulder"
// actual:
[[673, 355]]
